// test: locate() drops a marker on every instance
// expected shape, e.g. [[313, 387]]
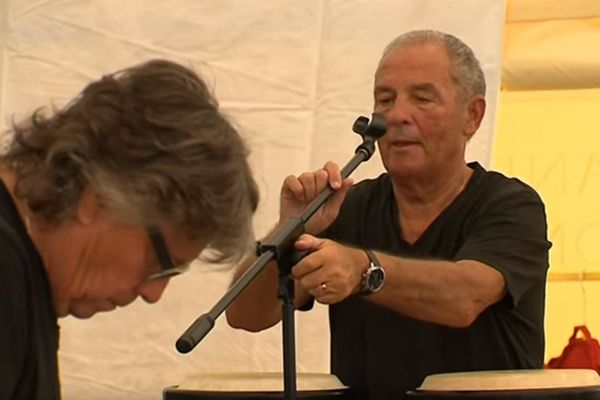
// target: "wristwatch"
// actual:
[[374, 277]]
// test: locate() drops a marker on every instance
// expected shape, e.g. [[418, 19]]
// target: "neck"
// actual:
[[421, 191], [420, 201]]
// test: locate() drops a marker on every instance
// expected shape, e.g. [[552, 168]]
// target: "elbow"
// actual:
[[465, 320], [465, 315], [237, 321], [468, 307], [245, 322]]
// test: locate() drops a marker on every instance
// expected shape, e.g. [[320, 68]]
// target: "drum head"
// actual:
[[564, 384], [255, 386]]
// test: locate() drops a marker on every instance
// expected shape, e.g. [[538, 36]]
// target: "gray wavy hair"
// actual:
[[466, 69], [153, 146]]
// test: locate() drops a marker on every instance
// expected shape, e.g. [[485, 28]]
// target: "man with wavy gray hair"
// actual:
[[105, 200], [437, 265]]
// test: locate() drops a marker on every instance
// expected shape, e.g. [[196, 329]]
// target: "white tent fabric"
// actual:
[[292, 74]]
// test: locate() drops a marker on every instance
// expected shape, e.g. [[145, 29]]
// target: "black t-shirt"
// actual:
[[28, 325], [496, 220]]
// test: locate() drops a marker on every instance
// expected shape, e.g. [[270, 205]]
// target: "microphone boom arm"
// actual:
[[282, 240]]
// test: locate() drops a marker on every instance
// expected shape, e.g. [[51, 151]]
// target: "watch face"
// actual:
[[375, 279]]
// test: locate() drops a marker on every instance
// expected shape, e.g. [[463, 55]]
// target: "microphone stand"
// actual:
[[280, 246]]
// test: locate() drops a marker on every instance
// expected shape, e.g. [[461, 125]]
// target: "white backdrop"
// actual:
[[293, 74]]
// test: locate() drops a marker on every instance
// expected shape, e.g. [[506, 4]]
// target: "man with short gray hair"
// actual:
[[437, 265]]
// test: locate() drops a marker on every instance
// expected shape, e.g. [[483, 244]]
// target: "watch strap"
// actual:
[[365, 286], [372, 259]]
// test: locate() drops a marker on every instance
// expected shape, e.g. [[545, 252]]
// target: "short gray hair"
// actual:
[[153, 146], [466, 69]]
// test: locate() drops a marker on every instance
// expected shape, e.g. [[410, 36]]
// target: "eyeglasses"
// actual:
[[168, 266]]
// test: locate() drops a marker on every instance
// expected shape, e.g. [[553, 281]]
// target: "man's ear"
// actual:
[[475, 110], [87, 207]]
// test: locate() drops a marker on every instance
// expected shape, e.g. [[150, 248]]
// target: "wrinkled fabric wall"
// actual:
[[293, 74]]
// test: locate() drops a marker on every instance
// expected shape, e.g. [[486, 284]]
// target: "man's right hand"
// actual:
[[298, 192]]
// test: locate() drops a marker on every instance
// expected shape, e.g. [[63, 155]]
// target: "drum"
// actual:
[[546, 384], [256, 386]]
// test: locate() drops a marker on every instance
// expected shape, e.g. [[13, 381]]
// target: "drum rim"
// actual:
[[234, 393], [565, 390]]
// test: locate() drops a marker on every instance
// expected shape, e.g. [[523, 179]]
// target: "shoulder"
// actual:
[[13, 275], [13, 297], [14, 261], [12, 246], [495, 187], [13, 240]]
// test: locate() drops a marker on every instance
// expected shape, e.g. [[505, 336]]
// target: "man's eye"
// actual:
[[384, 101]]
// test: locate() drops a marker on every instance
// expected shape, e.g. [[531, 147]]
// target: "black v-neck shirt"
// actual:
[[28, 323], [495, 220]]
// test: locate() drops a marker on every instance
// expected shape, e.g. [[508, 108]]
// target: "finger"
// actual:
[[321, 181], [307, 267], [293, 186], [320, 290], [308, 242], [317, 282], [305, 244], [304, 272], [334, 174], [327, 297], [314, 183], [307, 180]]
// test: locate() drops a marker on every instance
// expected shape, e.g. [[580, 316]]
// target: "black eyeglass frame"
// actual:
[[167, 265]]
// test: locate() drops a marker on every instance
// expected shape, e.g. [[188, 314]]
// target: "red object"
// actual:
[[579, 353]]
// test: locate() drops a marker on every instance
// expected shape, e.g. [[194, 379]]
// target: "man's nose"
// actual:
[[152, 290], [399, 113]]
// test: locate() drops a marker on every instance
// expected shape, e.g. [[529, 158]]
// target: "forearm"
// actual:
[[443, 292], [257, 307]]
